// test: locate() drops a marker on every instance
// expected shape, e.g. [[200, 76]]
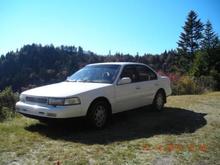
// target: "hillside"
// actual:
[[35, 65]]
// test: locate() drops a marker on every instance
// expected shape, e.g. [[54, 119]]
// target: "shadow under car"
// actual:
[[134, 124]]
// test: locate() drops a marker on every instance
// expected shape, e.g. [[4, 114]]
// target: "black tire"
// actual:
[[159, 101], [98, 114]]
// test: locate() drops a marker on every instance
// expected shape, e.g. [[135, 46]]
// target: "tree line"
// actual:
[[197, 54]]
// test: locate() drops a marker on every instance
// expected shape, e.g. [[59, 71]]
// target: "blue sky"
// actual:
[[127, 26]]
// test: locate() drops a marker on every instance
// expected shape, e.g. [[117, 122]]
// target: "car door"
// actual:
[[127, 95], [148, 84]]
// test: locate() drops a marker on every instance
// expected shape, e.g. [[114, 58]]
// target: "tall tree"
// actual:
[[210, 38], [191, 37], [80, 50]]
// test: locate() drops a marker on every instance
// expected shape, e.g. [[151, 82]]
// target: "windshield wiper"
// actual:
[[80, 81], [70, 80], [84, 81]]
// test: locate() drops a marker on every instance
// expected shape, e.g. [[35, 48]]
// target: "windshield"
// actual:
[[96, 74]]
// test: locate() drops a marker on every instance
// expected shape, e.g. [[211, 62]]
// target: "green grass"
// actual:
[[187, 132]]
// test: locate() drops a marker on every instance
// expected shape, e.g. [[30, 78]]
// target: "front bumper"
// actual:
[[49, 111]]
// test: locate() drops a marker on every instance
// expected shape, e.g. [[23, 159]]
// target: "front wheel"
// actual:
[[98, 114], [159, 101]]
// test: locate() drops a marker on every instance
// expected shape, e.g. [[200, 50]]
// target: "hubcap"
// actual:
[[100, 115]]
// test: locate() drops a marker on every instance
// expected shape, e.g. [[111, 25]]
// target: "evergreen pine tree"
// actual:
[[210, 39], [191, 37]]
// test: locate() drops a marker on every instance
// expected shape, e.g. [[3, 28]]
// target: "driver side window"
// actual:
[[145, 74], [129, 71]]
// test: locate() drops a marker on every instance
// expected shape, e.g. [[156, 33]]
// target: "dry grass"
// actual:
[[187, 132]]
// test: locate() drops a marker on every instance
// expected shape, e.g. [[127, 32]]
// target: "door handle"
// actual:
[[156, 84]]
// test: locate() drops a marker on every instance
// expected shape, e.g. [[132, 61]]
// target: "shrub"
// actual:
[[5, 113], [184, 84], [205, 83], [193, 85], [7, 104]]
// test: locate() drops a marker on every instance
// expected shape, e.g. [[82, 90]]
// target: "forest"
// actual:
[[194, 64]]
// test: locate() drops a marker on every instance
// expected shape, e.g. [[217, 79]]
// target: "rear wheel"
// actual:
[[159, 101], [98, 114]]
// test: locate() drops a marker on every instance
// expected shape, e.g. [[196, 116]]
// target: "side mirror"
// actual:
[[68, 78], [124, 80]]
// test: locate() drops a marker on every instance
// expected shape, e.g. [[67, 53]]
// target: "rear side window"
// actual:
[[130, 71], [145, 73]]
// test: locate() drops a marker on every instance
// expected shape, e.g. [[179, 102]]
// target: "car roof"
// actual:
[[117, 63]]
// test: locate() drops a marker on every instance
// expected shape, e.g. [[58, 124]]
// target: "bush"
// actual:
[[5, 113], [189, 84], [205, 83], [185, 85], [193, 85], [7, 104], [216, 76]]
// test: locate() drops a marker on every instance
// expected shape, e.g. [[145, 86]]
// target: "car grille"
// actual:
[[40, 100]]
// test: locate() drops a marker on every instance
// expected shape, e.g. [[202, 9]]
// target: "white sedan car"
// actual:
[[97, 91]]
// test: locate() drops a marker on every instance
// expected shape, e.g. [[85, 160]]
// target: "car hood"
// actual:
[[64, 89]]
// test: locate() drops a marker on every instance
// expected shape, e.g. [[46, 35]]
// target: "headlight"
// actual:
[[22, 98], [63, 101], [72, 101]]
